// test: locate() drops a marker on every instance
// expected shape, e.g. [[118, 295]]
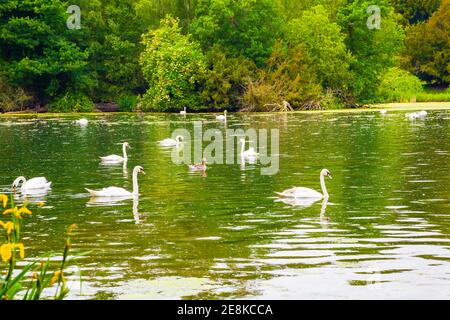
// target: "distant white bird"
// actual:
[[198, 167], [183, 112], [416, 115], [307, 193], [34, 185], [115, 158], [171, 142], [82, 122], [115, 192], [383, 111], [222, 117], [250, 153]]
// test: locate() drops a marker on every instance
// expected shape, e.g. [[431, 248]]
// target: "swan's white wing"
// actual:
[[300, 192], [112, 158], [221, 117], [37, 183], [109, 192], [168, 142]]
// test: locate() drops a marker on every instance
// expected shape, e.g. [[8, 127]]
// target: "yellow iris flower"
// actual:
[[4, 200], [6, 250], [17, 212], [8, 226]]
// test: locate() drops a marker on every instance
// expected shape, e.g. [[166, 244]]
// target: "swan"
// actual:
[[416, 115], [199, 166], [82, 122], [115, 192], [383, 111], [171, 142], [183, 112], [250, 153], [222, 117], [118, 159], [32, 185], [306, 193]]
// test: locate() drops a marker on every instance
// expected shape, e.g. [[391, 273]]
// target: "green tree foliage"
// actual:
[[225, 79], [399, 85], [245, 27], [324, 43], [427, 52], [37, 51], [287, 77], [414, 11], [173, 65], [375, 50]]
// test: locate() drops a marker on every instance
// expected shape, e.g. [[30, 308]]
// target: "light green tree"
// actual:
[[173, 65]]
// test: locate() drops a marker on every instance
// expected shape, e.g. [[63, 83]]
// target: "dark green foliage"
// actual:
[[72, 102], [225, 79]]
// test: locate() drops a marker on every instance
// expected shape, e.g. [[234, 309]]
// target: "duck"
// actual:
[[199, 166], [115, 158], [115, 192]]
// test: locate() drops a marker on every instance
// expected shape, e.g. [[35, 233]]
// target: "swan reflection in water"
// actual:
[[117, 201]]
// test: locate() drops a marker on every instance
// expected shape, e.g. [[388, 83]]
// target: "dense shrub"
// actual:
[[127, 103], [72, 102], [398, 85], [286, 79], [11, 98]]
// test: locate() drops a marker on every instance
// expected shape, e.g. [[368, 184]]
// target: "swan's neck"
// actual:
[[135, 183], [18, 181], [124, 151], [324, 188]]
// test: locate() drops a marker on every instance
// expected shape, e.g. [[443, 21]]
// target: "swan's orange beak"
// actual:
[[329, 176], [143, 172]]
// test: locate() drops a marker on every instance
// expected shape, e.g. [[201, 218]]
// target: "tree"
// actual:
[[37, 50], [427, 52], [245, 27], [324, 43], [173, 65], [414, 11], [375, 50]]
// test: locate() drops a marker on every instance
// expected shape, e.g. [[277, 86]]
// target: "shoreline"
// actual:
[[395, 106]]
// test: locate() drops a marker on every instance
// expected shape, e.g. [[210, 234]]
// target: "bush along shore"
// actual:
[[211, 55]]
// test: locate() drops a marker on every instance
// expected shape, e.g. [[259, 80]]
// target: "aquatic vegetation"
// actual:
[[17, 283]]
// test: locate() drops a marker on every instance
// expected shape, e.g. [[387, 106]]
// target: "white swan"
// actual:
[[118, 159], [171, 142], [383, 111], [82, 122], [222, 117], [30, 186], [115, 192], [183, 112], [306, 193], [250, 153], [416, 115]]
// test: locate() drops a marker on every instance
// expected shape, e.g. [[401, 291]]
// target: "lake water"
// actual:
[[385, 232]]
